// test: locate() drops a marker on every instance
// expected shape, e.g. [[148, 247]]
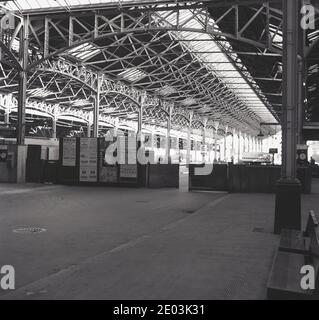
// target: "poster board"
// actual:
[[69, 152], [128, 171], [108, 174], [88, 152], [88, 160], [88, 174]]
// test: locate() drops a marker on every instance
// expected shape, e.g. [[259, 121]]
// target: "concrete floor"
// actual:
[[112, 243]]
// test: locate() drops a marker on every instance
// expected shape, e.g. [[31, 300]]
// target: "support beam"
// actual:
[[21, 148], [225, 144], [54, 120], [189, 131], [215, 141], [239, 146], [288, 199], [96, 111], [233, 146], [168, 134], [204, 148], [89, 130], [7, 117], [22, 95], [140, 115]]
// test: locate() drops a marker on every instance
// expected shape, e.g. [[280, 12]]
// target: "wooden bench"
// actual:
[[311, 223], [296, 241], [285, 278]]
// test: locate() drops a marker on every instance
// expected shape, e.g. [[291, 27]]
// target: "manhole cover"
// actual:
[[189, 211], [29, 230], [258, 230]]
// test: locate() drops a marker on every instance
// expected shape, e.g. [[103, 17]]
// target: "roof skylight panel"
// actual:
[[84, 51], [132, 74]]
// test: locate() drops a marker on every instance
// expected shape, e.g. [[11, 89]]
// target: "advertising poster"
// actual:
[[69, 152], [128, 171], [88, 152], [88, 174], [88, 160]]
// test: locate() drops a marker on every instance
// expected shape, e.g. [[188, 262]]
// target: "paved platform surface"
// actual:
[[112, 243]]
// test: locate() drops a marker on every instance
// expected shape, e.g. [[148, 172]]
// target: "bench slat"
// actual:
[[293, 241], [285, 277]]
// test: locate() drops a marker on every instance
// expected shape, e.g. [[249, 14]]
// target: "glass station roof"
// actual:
[[201, 45]]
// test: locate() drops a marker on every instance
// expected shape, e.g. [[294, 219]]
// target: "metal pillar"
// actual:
[[24, 43], [22, 96], [233, 146], [225, 148], [140, 116], [302, 74], [244, 142], [96, 111], [7, 117], [54, 127], [189, 131], [225, 144], [288, 207], [239, 145], [168, 135], [89, 130], [204, 149], [215, 141]]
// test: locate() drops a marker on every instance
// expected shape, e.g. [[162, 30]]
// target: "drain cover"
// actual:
[[189, 211], [29, 230], [258, 229]]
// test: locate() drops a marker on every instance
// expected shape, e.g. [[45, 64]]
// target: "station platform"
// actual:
[[125, 243]]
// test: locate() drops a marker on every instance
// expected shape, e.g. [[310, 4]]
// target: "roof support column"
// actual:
[[88, 130], [204, 148], [239, 146], [140, 114], [24, 43], [21, 148], [244, 142], [215, 141], [54, 121], [189, 131], [96, 111], [7, 117], [168, 134], [225, 144], [288, 199], [54, 127], [233, 146]]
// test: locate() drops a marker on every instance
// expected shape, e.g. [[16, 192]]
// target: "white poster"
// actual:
[[88, 174], [88, 152], [128, 171], [88, 159], [69, 152]]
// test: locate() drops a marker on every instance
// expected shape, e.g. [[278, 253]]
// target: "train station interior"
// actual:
[[159, 149]]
